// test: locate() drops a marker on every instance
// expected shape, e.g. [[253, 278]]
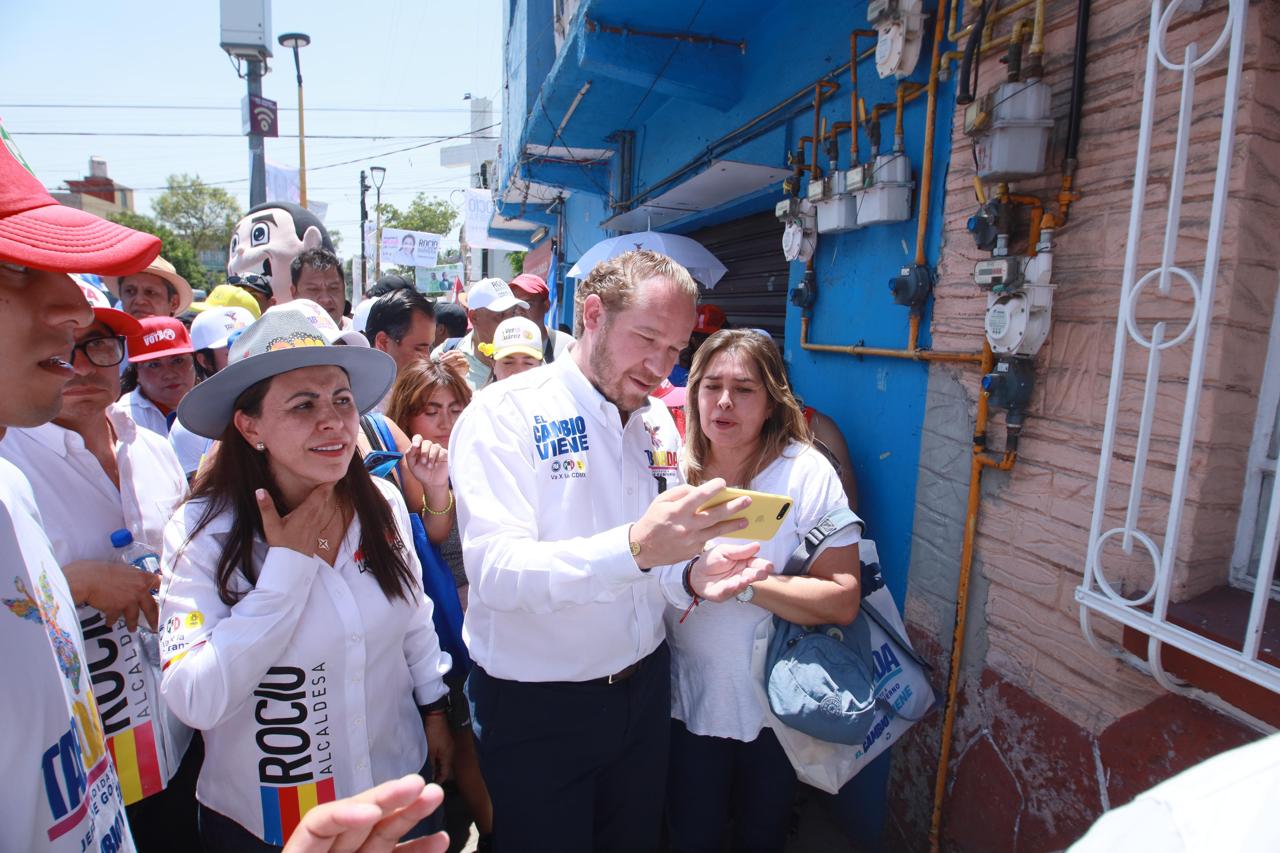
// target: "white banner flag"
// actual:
[[478, 214]]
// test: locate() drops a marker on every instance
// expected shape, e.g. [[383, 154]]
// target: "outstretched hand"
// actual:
[[727, 570], [455, 360], [372, 821]]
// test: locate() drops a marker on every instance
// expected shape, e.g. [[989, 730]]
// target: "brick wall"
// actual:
[[1025, 637]]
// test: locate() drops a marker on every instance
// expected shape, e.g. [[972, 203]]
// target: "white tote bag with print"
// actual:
[[901, 683]]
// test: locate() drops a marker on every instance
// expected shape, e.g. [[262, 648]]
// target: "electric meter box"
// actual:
[[838, 214], [888, 198], [1014, 142], [799, 237], [246, 28], [1018, 323]]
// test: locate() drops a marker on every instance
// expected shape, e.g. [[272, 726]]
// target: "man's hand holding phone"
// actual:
[[676, 528]]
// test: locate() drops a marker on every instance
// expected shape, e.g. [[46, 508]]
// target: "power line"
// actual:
[[363, 159], [173, 134], [228, 108]]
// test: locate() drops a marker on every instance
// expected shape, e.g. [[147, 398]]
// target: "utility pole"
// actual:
[[484, 253], [364, 218], [257, 148]]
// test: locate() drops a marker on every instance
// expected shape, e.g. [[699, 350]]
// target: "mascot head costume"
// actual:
[[269, 237]]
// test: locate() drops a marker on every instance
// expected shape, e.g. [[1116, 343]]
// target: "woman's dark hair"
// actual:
[[129, 380], [205, 364], [237, 470]]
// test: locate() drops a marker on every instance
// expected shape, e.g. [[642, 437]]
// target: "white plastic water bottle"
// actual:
[[144, 559]]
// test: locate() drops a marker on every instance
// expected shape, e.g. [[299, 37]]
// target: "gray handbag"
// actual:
[[823, 680]]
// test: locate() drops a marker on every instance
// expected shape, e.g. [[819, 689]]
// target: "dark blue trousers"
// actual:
[[574, 767], [718, 786]]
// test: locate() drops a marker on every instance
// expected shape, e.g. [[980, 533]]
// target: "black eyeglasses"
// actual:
[[101, 352], [253, 281]]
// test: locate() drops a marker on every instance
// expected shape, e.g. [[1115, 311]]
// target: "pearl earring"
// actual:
[[260, 447]]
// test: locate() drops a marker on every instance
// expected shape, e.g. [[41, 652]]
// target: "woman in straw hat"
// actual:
[[295, 633]]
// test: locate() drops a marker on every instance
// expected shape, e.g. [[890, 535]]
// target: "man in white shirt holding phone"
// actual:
[[577, 535]]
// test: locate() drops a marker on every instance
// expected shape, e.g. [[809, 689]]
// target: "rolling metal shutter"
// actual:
[[753, 293]]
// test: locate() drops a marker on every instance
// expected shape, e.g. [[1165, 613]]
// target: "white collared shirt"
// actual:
[[548, 481], [145, 413], [81, 508], [307, 688], [60, 793]]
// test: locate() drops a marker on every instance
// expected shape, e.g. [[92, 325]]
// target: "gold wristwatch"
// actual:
[[634, 545]]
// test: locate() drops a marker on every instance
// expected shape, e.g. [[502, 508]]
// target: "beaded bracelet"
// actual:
[[688, 588]]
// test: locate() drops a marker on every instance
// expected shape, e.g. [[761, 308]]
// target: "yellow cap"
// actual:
[[229, 296]]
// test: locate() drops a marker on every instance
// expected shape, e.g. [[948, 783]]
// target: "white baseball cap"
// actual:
[[494, 294], [321, 321], [360, 316], [212, 326], [515, 335]]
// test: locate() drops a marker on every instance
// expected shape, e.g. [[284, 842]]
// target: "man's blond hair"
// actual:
[[615, 280]]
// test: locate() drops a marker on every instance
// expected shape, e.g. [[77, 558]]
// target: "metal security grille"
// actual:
[[1100, 593], [753, 293]]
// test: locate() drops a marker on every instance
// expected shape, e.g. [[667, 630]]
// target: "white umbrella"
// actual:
[[690, 254]]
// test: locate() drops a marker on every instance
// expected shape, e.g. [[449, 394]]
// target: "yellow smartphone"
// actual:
[[765, 514]]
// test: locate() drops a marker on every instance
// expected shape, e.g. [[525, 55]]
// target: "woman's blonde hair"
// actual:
[[784, 424], [414, 385]]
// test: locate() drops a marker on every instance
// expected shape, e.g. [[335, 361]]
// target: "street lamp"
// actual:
[[293, 41], [379, 174]]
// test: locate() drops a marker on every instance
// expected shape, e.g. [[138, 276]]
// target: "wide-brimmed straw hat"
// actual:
[[278, 342], [164, 270]]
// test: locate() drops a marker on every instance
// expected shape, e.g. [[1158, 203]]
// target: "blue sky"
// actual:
[[420, 55]]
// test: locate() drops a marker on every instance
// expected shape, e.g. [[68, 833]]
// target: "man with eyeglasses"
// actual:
[[94, 472], [162, 354]]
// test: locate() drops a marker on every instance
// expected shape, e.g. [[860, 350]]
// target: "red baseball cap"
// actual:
[[711, 319], [114, 319], [160, 337], [36, 231], [529, 283]]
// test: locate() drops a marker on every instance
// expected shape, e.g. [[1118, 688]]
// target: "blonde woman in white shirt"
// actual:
[[726, 767], [295, 633]]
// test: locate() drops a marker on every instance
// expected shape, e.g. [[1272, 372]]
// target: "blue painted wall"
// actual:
[[878, 403]]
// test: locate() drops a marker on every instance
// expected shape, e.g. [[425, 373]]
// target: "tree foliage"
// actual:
[[174, 249], [202, 215], [433, 215]]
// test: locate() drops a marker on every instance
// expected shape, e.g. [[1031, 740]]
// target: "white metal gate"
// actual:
[[1148, 612]]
